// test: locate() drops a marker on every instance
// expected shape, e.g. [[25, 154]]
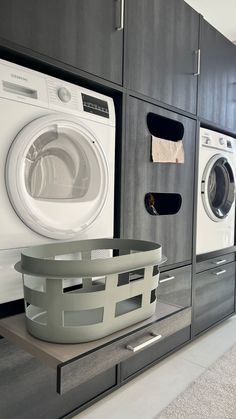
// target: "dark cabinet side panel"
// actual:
[[214, 296], [140, 175], [77, 32], [162, 38], [28, 388], [217, 95]]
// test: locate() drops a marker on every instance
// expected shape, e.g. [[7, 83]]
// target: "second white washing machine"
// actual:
[[216, 192], [57, 157]]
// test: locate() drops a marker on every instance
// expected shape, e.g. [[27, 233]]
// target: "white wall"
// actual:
[[219, 13]]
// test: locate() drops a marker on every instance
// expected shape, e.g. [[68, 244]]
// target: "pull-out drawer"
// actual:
[[175, 286], [77, 363], [28, 387], [151, 355], [214, 262], [214, 296]]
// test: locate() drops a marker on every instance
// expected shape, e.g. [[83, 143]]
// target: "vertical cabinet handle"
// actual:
[[198, 53], [119, 15]]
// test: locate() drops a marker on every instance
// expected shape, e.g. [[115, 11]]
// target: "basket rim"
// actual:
[[34, 260]]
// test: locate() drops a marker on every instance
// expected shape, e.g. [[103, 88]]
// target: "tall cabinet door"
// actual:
[[81, 33], [141, 176], [162, 57], [217, 95]]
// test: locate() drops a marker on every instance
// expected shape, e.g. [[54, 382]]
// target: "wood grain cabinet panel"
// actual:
[[217, 94], [141, 175], [151, 355], [214, 296], [162, 38], [81, 33], [28, 387], [175, 286]]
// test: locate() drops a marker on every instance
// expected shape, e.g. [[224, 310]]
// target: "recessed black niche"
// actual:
[[162, 203], [165, 128]]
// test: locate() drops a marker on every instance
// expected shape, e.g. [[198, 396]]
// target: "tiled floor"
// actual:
[[145, 396]]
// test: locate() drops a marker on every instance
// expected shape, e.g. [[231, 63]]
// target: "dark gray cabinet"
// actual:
[[162, 37], [81, 33], [141, 175], [214, 296], [151, 355], [28, 388], [175, 286], [217, 95]]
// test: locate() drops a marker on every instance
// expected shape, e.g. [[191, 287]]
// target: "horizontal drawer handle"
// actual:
[[220, 272], [169, 278], [220, 261], [144, 344]]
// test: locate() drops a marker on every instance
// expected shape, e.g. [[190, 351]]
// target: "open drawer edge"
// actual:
[[77, 363]]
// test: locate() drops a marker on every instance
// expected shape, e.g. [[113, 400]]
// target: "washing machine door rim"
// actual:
[[57, 176], [218, 187]]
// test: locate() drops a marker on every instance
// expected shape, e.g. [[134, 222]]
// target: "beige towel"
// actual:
[[165, 151]]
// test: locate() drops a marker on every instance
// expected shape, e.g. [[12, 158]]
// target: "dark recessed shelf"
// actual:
[[165, 128], [162, 203]]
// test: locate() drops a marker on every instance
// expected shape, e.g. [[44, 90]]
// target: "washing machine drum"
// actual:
[[218, 188], [57, 176]]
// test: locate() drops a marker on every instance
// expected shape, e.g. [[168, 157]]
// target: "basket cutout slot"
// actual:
[[136, 275], [153, 296], [127, 277], [36, 314], [35, 283], [162, 203], [165, 128], [126, 306], [155, 270], [83, 317]]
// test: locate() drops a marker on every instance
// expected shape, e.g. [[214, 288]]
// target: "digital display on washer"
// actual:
[[94, 105]]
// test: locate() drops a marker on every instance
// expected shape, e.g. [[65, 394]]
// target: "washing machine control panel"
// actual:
[[64, 94], [217, 140]]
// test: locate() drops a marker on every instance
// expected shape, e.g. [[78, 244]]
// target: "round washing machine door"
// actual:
[[218, 187], [57, 176]]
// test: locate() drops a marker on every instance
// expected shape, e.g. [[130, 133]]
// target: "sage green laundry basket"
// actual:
[[111, 293]]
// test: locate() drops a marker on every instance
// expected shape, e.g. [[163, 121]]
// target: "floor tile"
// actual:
[[210, 346], [148, 394]]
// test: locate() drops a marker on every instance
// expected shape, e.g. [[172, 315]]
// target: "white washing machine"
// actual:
[[57, 150], [216, 192]]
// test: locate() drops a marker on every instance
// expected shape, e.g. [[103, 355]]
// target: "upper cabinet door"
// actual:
[[86, 34], [162, 55], [217, 95]]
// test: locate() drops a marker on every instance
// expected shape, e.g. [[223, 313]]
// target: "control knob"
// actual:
[[221, 140], [64, 94]]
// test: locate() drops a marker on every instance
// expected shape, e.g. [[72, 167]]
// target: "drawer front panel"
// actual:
[[28, 387], [214, 296], [175, 286], [152, 354], [215, 262], [77, 371]]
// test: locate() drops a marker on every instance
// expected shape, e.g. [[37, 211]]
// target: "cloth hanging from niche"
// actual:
[[165, 151]]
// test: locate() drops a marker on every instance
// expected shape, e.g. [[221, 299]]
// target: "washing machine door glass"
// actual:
[[57, 176], [218, 188]]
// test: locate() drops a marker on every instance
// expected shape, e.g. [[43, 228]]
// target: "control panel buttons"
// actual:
[[206, 140], [221, 140], [64, 94]]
